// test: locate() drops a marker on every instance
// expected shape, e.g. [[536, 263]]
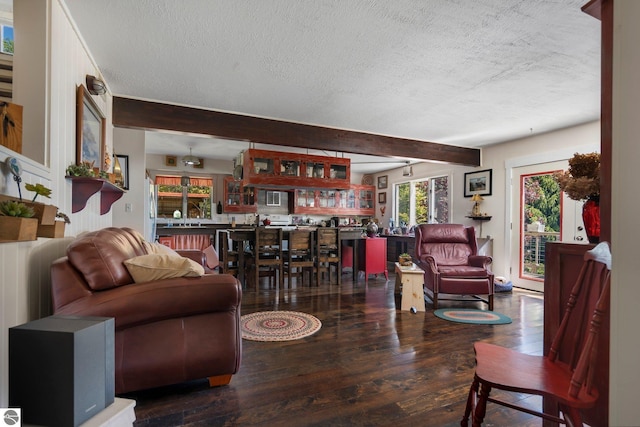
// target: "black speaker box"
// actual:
[[61, 369]]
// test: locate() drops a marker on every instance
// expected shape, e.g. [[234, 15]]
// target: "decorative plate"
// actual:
[[367, 179], [14, 166]]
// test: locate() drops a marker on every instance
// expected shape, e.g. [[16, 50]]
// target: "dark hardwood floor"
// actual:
[[370, 364]]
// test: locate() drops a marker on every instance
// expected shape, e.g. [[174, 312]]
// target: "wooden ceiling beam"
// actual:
[[148, 115]]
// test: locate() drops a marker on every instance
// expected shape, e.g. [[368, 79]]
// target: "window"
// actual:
[[422, 201], [6, 32], [193, 200]]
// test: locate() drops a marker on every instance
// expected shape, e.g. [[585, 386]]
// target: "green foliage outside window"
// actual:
[[542, 201]]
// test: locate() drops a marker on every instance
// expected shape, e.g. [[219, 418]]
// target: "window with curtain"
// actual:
[[422, 201], [194, 201]]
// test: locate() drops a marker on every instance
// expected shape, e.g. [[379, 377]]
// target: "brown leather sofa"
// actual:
[[166, 331], [448, 254]]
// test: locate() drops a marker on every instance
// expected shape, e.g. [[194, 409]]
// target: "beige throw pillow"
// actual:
[[147, 268]]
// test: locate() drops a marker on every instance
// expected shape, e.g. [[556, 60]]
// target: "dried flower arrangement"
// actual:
[[582, 180]]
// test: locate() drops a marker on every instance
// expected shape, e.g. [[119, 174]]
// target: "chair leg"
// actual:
[[572, 416], [481, 406], [491, 302], [471, 402], [435, 300]]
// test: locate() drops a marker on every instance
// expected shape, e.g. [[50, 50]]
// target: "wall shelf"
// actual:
[[82, 188]]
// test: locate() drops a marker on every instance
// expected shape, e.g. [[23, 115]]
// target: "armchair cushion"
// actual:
[[147, 268]]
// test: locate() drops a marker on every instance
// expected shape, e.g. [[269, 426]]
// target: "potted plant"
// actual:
[[46, 214], [17, 222], [405, 259], [83, 169], [55, 230], [582, 182]]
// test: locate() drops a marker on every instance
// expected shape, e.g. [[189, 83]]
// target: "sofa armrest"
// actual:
[[142, 303], [480, 261], [428, 263]]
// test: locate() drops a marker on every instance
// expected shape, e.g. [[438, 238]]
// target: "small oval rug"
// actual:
[[471, 315], [278, 325]]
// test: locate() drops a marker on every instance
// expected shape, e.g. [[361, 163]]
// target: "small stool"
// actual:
[[412, 280]]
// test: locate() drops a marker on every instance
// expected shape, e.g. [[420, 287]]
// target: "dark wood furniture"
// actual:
[[399, 244], [300, 255], [268, 258], [562, 264], [328, 253]]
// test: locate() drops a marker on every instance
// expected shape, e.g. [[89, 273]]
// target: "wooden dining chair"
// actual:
[[267, 255], [328, 253], [300, 255], [565, 375], [228, 258]]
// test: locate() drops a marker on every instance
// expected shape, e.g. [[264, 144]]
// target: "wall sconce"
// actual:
[[95, 86], [407, 170], [190, 159], [476, 199]]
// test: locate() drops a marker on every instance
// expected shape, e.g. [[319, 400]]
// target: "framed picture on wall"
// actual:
[[90, 130], [170, 160], [382, 198], [382, 182], [477, 183]]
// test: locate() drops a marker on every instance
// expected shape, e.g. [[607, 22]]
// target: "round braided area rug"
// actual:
[[470, 315], [278, 325]]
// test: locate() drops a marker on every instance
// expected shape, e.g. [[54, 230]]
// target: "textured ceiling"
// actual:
[[465, 72]]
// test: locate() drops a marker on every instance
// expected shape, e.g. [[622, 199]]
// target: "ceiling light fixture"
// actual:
[[95, 86], [190, 159], [407, 170]]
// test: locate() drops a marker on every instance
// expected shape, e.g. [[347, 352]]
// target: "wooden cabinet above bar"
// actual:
[[275, 169]]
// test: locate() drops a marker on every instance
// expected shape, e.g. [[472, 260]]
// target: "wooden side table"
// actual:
[[412, 280]]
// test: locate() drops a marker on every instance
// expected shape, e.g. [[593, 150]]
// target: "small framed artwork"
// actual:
[[199, 165], [124, 167], [477, 183], [382, 198], [382, 182], [90, 130], [171, 160]]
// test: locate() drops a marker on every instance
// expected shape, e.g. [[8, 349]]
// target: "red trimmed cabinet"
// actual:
[[238, 198], [372, 257], [264, 169], [357, 200]]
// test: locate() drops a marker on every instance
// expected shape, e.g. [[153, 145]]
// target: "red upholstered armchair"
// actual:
[[448, 254]]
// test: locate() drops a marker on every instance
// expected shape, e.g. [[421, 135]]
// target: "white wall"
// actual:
[[625, 289], [24, 275], [558, 145]]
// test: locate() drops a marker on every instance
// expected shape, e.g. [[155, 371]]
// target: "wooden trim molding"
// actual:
[[148, 115], [603, 10]]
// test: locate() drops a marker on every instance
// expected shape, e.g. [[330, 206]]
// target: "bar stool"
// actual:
[[267, 255], [300, 255], [328, 253]]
